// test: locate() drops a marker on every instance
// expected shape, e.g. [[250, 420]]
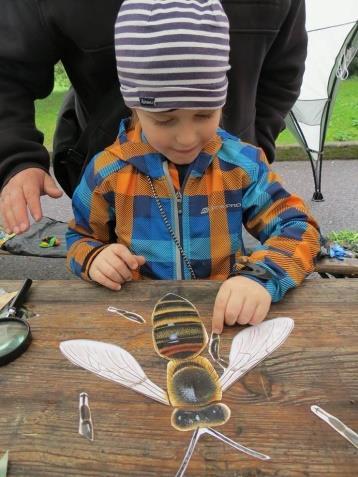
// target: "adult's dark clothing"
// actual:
[[268, 48]]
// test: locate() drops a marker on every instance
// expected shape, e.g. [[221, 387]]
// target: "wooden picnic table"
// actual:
[[39, 392]]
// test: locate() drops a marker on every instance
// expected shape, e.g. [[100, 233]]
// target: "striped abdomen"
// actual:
[[178, 332]]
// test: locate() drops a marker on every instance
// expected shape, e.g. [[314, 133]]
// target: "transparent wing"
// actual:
[[114, 363], [252, 345]]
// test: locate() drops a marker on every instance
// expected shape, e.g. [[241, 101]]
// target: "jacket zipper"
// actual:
[[181, 257], [179, 198], [177, 225]]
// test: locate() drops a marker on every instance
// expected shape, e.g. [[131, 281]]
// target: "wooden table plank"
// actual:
[[133, 436], [347, 267]]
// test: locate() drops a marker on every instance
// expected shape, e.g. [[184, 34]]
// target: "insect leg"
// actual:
[[184, 464], [234, 444]]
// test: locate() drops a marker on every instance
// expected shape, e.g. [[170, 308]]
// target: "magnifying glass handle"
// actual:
[[20, 297]]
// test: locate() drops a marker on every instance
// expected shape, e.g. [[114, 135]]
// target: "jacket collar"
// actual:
[[131, 146]]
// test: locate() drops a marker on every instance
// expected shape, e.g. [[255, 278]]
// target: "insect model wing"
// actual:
[[114, 363], [252, 345]]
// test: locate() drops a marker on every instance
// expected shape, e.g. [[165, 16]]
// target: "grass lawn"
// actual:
[[347, 239], [343, 125], [46, 115]]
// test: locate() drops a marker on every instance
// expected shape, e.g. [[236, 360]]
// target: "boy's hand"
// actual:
[[113, 266], [240, 300]]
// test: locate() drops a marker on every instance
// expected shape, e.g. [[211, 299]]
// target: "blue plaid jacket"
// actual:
[[228, 186]]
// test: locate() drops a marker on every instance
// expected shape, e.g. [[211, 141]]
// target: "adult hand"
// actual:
[[23, 192], [113, 266], [240, 300]]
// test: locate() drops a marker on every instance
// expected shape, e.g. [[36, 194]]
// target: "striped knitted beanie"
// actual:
[[172, 54]]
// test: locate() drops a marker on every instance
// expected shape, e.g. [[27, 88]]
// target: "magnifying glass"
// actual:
[[15, 333]]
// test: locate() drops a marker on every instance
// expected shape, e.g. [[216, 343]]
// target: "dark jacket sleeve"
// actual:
[[27, 59], [281, 77], [268, 47]]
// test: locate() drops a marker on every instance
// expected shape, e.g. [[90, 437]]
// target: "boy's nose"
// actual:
[[186, 137]]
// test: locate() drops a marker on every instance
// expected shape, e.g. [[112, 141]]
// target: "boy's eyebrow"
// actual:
[[160, 112], [199, 111], [164, 112]]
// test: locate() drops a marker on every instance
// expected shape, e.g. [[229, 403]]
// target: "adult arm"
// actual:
[[281, 77], [27, 58]]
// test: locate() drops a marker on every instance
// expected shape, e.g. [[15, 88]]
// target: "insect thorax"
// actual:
[[192, 382]]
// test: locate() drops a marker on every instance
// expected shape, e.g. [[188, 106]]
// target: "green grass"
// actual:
[[46, 115], [343, 125], [346, 238]]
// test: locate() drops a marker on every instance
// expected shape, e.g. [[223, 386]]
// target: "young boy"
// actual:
[[169, 198]]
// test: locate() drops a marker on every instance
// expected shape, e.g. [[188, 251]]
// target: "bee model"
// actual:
[[194, 388], [193, 385]]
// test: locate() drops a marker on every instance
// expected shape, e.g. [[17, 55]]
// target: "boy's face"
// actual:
[[179, 134]]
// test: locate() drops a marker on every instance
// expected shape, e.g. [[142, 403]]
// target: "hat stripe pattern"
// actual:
[[172, 54]]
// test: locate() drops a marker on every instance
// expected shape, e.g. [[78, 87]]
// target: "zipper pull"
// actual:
[[179, 198]]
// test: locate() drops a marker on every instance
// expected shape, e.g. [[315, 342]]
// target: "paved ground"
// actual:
[[338, 211]]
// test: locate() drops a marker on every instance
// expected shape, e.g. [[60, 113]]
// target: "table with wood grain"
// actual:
[[270, 405]]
